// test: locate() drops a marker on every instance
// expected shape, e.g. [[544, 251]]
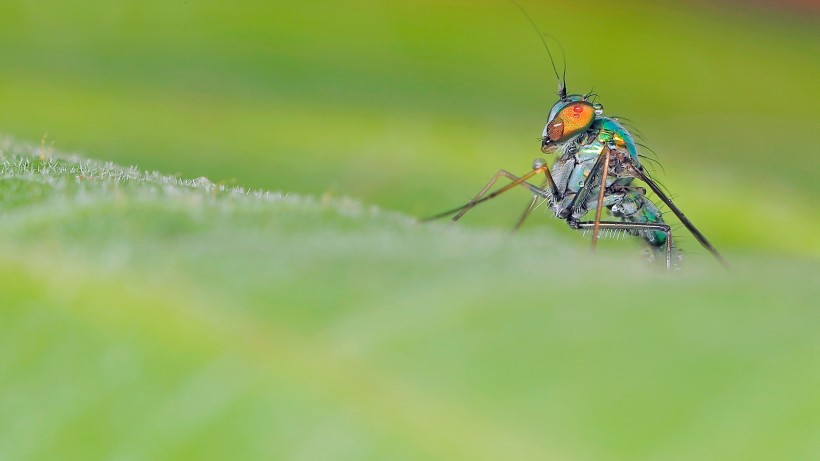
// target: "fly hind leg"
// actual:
[[639, 217], [633, 228]]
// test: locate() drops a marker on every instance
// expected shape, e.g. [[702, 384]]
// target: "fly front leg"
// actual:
[[481, 197], [539, 167], [531, 206], [548, 184]]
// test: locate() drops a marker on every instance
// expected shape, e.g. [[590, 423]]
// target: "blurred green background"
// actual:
[[413, 105], [145, 319]]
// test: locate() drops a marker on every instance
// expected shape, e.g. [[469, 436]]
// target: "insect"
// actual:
[[596, 167]]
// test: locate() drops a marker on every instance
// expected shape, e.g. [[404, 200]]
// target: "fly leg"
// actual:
[[532, 205], [605, 169], [527, 211], [579, 204], [640, 174], [630, 204], [539, 167], [632, 228]]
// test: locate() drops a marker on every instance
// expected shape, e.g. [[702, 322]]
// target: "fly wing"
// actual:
[[638, 172]]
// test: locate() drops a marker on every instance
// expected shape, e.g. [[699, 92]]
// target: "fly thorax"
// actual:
[[589, 151]]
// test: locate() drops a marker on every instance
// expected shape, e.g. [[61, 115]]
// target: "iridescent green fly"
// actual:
[[596, 166]]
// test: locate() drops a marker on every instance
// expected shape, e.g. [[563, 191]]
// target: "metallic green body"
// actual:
[[572, 169]]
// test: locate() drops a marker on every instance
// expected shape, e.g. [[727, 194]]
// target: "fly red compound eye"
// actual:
[[575, 119]]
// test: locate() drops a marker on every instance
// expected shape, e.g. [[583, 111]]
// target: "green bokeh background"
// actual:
[[144, 319], [413, 105]]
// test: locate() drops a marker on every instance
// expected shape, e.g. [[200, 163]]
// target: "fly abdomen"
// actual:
[[632, 206]]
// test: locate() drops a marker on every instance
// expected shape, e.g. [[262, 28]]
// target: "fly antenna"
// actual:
[[564, 64], [562, 86]]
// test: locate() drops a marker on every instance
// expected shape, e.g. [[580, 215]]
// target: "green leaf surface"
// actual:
[[151, 317]]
